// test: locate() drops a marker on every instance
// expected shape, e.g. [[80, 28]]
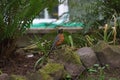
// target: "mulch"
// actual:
[[19, 64]]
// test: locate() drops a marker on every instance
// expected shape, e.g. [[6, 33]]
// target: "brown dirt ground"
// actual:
[[19, 64]]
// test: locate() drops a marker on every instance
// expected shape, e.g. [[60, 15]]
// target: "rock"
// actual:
[[100, 46], [52, 71], [30, 55], [70, 59], [20, 51], [74, 69], [63, 63], [17, 77], [87, 56], [4, 76], [108, 54], [34, 76]]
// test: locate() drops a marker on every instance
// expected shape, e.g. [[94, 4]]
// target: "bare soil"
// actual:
[[19, 64]]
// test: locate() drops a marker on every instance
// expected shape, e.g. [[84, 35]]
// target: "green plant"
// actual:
[[43, 46], [0, 72], [109, 34], [68, 77], [93, 13], [89, 39], [15, 17], [105, 35], [71, 40], [98, 69], [81, 39], [114, 29]]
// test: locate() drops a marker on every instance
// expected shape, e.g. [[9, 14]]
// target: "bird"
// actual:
[[59, 39]]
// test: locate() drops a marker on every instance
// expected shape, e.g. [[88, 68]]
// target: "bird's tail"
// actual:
[[52, 48]]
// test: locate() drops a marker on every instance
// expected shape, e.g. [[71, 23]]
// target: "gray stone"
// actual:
[[87, 56], [4, 76], [74, 69], [108, 54], [34, 76]]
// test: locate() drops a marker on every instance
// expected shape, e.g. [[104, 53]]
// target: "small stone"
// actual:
[[4, 76], [30, 55]]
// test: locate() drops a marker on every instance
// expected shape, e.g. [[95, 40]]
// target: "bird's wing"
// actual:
[[55, 41]]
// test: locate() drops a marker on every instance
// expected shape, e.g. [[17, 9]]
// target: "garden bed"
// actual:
[[22, 65]]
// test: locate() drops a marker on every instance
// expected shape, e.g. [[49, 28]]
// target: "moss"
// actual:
[[0, 72], [67, 55], [50, 68], [45, 76], [17, 77]]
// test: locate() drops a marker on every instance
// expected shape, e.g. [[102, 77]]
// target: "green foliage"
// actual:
[[84, 11], [98, 69], [15, 17], [74, 39], [0, 72], [110, 7], [105, 35], [66, 38], [43, 46], [68, 77], [17, 77], [81, 39], [40, 62], [94, 13], [71, 40]]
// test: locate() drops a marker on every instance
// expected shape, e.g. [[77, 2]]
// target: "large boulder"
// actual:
[[108, 54], [87, 56], [70, 59]]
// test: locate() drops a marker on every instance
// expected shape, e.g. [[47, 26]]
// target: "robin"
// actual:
[[58, 40]]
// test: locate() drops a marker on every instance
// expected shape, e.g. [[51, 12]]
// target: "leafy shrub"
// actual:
[[15, 17]]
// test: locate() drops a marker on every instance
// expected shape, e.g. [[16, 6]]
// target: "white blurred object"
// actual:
[[30, 55], [63, 15]]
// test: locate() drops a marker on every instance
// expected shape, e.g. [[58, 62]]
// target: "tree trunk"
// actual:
[[7, 47]]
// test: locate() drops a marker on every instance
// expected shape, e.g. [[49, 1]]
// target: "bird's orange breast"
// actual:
[[61, 39]]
